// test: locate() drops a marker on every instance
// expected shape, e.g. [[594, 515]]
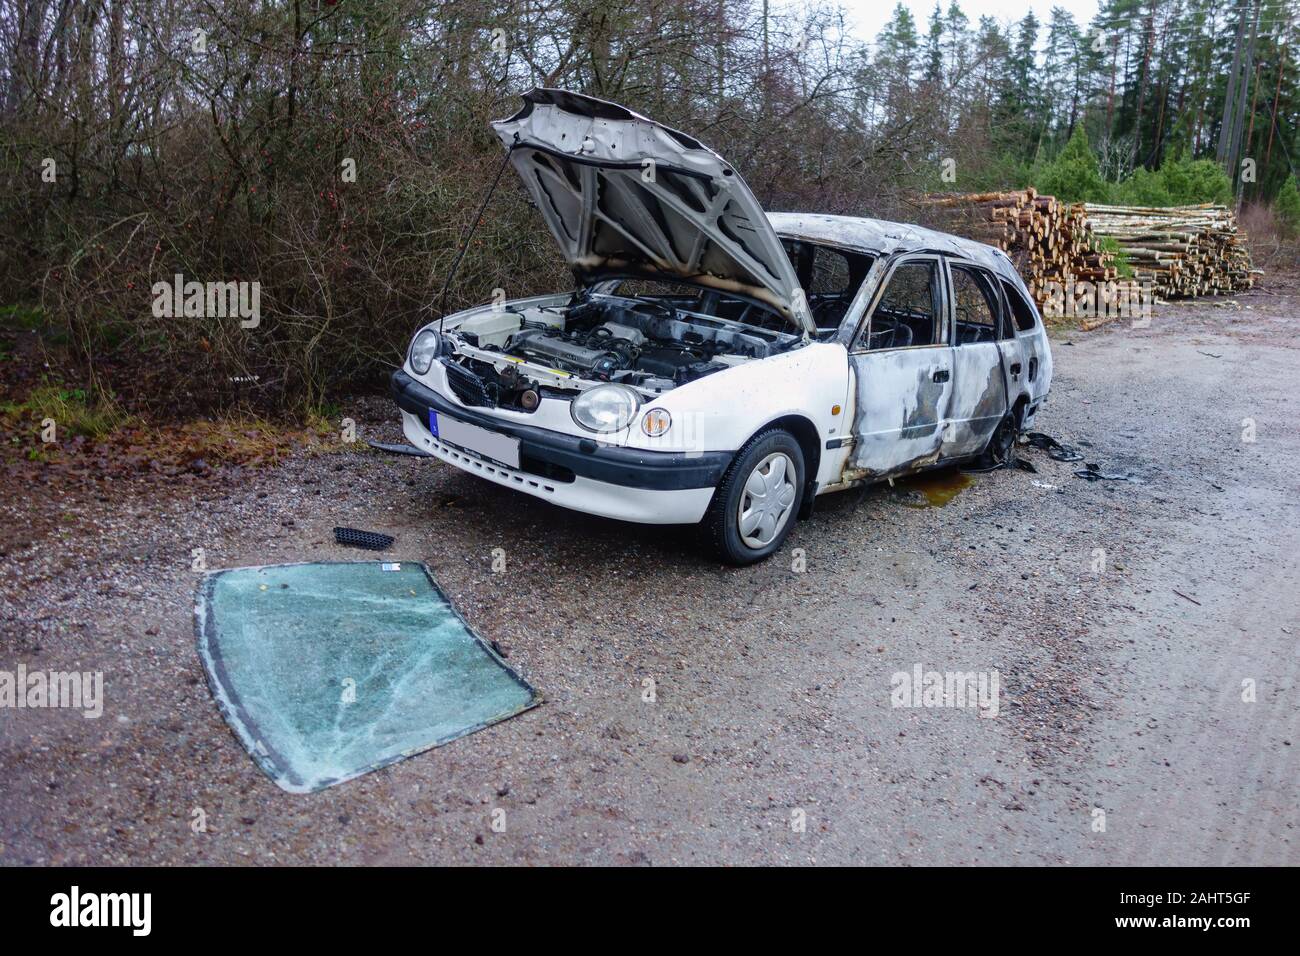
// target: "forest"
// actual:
[[336, 153]]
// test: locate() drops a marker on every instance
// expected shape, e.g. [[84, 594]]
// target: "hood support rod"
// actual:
[[469, 234]]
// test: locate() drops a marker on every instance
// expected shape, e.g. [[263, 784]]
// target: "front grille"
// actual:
[[468, 387]]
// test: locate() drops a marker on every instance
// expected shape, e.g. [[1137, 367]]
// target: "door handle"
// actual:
[[941, 375]]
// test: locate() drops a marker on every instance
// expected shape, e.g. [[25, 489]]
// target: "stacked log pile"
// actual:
[[1181, 250], [1051, 243], [1173, 252]]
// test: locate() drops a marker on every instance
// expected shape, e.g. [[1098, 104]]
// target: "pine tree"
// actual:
[[934, 48], [896, 49], [1074, 175], [1287, 206]]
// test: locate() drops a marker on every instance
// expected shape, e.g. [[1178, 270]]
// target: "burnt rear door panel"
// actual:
[[980, 388], [979, 399]]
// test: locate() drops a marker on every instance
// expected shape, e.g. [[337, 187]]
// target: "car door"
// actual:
[[902, 366], [1019, 364], [1024, 328], [980, 388]]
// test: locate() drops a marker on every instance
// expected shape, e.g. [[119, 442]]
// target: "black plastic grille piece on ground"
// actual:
[[370, 540]]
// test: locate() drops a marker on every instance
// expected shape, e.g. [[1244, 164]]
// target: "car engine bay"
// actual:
[[511, 356]]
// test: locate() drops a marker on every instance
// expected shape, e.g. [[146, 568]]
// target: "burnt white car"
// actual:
[[715, 364]]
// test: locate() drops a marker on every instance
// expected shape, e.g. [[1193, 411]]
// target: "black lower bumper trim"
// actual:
[[629, 467]]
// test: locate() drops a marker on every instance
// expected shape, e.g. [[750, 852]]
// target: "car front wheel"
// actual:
[[755, 504]]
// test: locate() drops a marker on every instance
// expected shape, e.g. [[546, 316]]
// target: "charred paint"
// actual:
[[899, 411], [979, 398], [923, 419]]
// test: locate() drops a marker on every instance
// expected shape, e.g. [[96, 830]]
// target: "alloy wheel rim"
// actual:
[[766, 501]]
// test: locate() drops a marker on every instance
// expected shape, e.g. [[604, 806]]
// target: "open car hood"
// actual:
[[624, 196]]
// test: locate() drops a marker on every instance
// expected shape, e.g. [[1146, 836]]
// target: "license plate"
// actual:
[[487, 444]]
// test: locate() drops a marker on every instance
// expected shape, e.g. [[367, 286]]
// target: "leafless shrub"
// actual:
[[1269, 247], [142, 139]]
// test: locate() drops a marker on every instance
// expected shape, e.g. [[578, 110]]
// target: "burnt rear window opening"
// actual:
[[1021, 311]]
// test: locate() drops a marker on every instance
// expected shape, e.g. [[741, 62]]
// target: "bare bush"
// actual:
[[142, 139], [218, 142]]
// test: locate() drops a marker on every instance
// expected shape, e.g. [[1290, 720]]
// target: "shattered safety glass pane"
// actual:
[[328, 671]]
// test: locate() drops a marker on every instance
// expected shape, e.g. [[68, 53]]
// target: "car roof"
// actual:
[[884, 238]]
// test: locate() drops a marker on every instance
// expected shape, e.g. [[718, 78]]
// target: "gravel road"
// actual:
[[1147, 706]]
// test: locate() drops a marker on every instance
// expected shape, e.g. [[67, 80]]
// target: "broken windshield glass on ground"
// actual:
[[328, 671]]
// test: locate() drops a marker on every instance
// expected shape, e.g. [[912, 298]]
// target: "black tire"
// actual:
[[720, 527], [1001, 448]]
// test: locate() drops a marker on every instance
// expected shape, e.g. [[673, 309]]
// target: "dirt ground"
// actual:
[[1127, 731]]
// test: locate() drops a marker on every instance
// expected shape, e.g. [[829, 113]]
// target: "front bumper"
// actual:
[[578, 473]]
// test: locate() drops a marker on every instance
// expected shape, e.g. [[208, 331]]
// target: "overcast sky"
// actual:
[[870, 16]]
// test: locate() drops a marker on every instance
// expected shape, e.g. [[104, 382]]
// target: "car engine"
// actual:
[[649, 345]]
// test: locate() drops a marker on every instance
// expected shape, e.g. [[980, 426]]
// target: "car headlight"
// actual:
[[605, 408], [655, 422], [424, 350]]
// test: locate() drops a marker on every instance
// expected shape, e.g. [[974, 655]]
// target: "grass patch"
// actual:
[[1109, 244], [23, 318], [73, 410], [238, 440]]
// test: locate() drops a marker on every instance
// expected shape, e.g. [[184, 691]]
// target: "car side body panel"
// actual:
[[892, 395]]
